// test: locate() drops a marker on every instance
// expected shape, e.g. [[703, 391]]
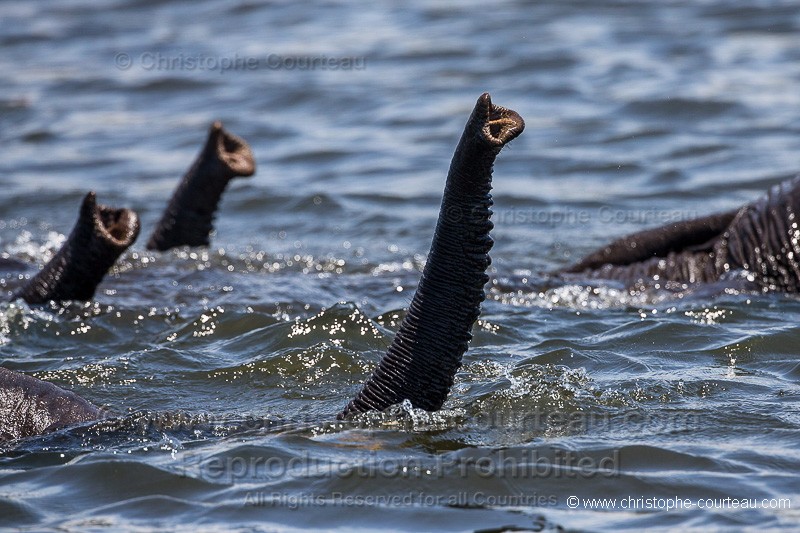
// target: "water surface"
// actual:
[[225, 367]]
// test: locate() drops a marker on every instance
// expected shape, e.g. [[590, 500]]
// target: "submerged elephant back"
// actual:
[[758, 244], [29, 406], [764, 239]]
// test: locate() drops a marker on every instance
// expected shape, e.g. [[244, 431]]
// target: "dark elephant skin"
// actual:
[[99, 237], [424, 356], [29, 406], [681, 236], [761, 238], [189, 216]]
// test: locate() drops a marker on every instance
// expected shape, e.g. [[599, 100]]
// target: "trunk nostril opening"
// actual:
[[117, 231], [116, 223], [230, 145]]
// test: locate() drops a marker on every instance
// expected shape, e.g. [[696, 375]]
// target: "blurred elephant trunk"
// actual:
[[189, 216], [98, 239]]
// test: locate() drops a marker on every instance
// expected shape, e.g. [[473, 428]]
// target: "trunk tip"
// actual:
[[119, 226], [89, 201], [498, 125], [233, 151]]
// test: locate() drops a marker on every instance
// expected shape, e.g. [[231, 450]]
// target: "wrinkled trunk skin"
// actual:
[[29, 406], [189, 217], [98, 239], [422, 361], [761, 238]]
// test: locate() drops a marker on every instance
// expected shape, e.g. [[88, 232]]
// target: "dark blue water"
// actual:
[[226, 366]]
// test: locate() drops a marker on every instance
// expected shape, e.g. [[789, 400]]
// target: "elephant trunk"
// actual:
[[96, 242], [422, 361], [189, 217]]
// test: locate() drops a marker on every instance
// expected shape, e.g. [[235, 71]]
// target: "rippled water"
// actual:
[[226, 367]]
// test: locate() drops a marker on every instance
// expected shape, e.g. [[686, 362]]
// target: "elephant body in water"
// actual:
[[759, 243], [761, 240], [424, 356], [29, 406]]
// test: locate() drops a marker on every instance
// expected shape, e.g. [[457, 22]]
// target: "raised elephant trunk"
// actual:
[[99, 237], [422, 361], [189, 217]]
